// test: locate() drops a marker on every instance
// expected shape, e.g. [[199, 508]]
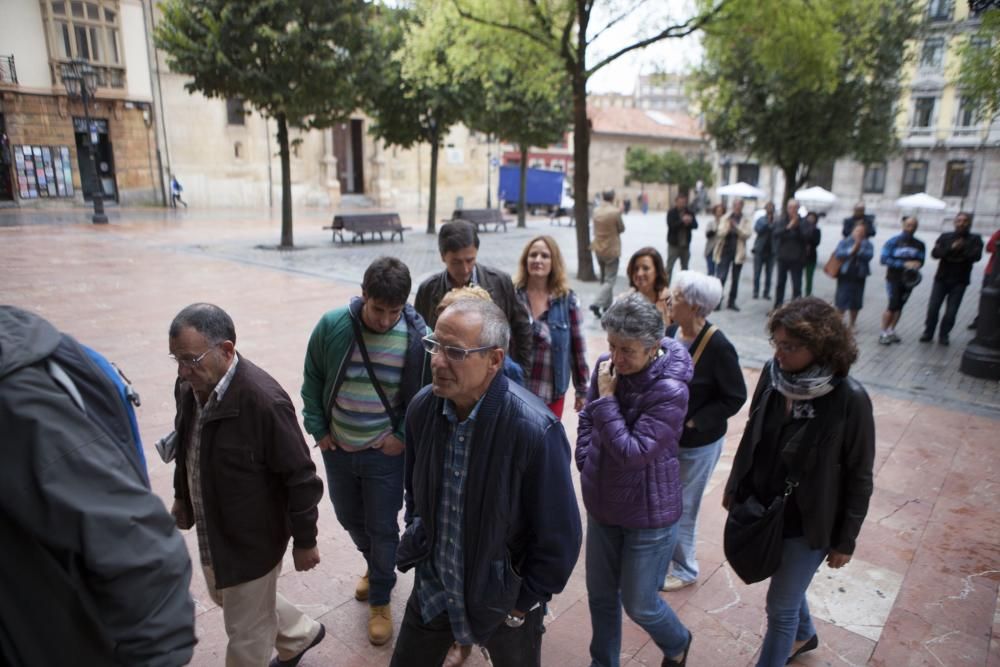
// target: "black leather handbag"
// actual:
[[752, 538]]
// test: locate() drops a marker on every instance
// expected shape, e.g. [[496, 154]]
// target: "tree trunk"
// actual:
[[287, 240], [432, 203], [790, 172], [581, 177], [522, 198]]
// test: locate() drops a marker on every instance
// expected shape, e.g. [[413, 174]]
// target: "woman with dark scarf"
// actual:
[[806, 380]]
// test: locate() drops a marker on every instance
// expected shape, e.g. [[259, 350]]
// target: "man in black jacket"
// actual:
[[859, 216], [92, 569], [494, 526], [458, 244], [245, 480], [791, 238], [956, 251], [681, 224]]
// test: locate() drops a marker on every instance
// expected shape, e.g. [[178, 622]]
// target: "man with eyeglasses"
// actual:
[[364, 364], [244, 478], [458, 244], [493, 524]]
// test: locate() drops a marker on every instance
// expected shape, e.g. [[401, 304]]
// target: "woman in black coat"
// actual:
[[806, 381]]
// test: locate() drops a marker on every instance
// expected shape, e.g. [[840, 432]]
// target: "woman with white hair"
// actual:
[[716, 392]]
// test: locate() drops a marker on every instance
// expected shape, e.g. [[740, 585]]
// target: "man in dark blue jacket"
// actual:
[[956, 251], [494, 525], [904, 255]]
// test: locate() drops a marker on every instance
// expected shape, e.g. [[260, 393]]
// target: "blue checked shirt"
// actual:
[[440, 579]]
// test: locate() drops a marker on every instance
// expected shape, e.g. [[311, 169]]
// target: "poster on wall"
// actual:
[[43, 171]]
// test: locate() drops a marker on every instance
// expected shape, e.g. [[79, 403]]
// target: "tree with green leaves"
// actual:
[[798, 83], [979, 73], [293, 60], [671, 167], [410, 89], [569, 29], [525, 93]]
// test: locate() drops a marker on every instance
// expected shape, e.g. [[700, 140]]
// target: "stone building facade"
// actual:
[[44, 157]]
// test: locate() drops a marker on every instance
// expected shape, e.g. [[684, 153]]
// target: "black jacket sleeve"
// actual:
[[556, 534], [730, 391], [857, 461]]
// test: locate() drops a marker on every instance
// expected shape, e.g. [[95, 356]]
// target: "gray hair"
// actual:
[[634, 316], [495, 331], [207, 319], [701, 291]]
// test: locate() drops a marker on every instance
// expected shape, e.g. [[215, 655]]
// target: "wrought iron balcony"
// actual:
[[8, 73]]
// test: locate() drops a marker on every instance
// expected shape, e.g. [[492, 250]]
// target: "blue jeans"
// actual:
[[697, 464], [625, 567], [788, 619], [366, 488]]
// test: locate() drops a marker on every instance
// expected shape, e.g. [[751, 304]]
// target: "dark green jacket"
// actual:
[[331, 345]]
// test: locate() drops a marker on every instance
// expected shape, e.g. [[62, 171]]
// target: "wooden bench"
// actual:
[[482, 218], [360, 224]]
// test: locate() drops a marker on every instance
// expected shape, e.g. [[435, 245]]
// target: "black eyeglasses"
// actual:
[[453, 353]]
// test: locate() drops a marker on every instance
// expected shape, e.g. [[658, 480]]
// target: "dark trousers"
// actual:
[[424, 644], [366, 488], [784, 270], [762, 262], [721, 272], [939, 292]]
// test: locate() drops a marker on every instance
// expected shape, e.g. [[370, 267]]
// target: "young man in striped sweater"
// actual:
[[364, 364]]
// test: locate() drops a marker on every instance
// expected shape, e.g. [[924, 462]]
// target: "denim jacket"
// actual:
[[558, 321]]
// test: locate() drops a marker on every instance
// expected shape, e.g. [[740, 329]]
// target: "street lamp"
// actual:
[[80, 79]]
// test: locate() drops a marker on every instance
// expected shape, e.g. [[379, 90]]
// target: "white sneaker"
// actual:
[[672, 583]]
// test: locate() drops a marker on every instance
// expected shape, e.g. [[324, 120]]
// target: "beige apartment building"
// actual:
[[946, 150]]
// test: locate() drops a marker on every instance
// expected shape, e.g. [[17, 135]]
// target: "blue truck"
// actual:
[[544, 188]]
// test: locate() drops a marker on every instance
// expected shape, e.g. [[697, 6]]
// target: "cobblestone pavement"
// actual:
[[922, 589]]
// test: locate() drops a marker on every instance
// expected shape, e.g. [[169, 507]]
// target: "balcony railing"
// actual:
[[107, 77], [8, 73]]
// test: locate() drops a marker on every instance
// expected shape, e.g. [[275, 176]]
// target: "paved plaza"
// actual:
[[922, 588]]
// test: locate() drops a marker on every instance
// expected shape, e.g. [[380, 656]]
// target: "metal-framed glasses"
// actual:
[[453, 353], [786, 347], [191, 363]]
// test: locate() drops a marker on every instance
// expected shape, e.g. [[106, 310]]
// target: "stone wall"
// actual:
[[47, 120]]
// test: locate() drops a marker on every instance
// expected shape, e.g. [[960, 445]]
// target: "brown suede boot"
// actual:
[[361, 590], [379, 624]]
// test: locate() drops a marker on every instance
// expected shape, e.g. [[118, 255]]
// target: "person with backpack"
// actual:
[[92, 569], [245, 480], [364, 364]]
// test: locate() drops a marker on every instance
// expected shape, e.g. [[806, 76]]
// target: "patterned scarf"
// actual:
[[803, 387]]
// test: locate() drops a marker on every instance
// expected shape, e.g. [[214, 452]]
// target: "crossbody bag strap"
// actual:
[[359, 338], [703, 344]]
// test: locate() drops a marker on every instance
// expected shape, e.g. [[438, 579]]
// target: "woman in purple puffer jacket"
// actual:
[[626, 452]]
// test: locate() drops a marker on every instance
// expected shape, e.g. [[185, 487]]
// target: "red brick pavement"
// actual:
[[932, 537]]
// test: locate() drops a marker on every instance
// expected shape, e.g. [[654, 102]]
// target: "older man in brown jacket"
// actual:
[[245, 479], [607, 247]]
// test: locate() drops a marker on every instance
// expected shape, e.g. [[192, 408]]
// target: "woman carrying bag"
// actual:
[[802, 476]]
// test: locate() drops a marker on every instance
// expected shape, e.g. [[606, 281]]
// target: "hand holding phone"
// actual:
[[606, 378]]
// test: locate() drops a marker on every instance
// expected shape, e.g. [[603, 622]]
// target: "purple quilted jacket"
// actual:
[[626, 447]]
